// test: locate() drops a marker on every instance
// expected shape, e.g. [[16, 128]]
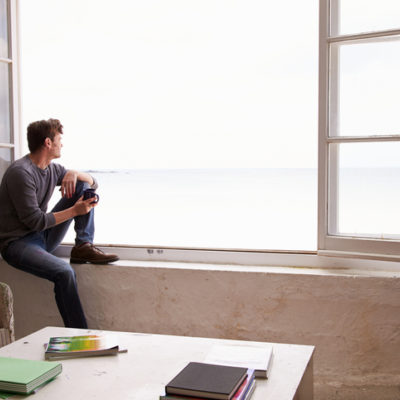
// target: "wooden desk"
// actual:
[[151, 362]]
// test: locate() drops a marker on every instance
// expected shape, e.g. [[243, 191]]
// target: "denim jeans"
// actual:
[[32, 253]]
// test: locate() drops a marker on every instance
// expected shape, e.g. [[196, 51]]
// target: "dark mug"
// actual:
[[91, 193]]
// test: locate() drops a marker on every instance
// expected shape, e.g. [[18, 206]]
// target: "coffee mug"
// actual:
[[89, 194]]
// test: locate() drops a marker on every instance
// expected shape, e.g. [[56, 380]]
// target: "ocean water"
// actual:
[[369, 202], [227, 208], [273, 209]]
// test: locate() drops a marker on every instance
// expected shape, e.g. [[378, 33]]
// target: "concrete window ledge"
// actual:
[[260, 269]]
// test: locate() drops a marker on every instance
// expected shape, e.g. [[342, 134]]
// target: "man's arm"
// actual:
[[81, 207], [85, 177], [68, 183], [22, 193]]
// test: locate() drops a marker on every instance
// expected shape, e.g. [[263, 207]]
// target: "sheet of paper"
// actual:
[[256, 358]]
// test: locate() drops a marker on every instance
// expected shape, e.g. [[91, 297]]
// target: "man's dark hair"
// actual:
[[40, 130]]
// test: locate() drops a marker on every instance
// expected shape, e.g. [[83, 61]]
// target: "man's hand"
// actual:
[[82, 207], [68, 184]]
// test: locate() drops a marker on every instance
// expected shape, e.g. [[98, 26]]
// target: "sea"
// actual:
[[255, 209]]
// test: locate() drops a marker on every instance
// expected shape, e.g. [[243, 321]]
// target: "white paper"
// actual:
[[252, 357]]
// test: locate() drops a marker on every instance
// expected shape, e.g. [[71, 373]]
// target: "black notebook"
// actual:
[[207, 380]]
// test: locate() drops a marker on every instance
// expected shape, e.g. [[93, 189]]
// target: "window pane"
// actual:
[[5, 160], [207, 124], [249, 209], [3, 29], [4, 104], [368, 89], [356, 16], [368, 189]]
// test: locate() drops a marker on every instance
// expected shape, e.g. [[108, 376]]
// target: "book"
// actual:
[[243, 393], [63, 347], [247, 387], [219, 382], [24, 376], [258, 358], [250, 391]]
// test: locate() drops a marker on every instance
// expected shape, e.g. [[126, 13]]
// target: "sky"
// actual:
[[177, 84], [366, 15], [189, 84]]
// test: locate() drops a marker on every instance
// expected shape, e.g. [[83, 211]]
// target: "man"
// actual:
[[29, 234]]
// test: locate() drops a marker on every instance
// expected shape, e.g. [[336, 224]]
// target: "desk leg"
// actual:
[[305, 391]]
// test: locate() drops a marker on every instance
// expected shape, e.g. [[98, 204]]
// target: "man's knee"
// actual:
[[81, 186], [65, 273]]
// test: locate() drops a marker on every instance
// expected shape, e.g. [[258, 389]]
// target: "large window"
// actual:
[[8, 85], [199, 118], [360, 127]]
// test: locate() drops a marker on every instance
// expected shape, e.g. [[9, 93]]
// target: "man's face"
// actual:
[[56, 145]]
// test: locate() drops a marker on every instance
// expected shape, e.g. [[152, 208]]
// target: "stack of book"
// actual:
[[210, 381]]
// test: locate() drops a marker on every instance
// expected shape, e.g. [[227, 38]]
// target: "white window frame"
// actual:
[[12, 62], [330, 244]]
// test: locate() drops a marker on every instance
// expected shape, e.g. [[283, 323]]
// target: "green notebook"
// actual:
[[24, 376]]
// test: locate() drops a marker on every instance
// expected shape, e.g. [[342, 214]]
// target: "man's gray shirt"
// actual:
[[25, 192]]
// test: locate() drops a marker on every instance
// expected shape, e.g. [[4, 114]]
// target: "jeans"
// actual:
[[32, 253]]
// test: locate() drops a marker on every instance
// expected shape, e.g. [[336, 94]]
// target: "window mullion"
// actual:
[[323, 124], [369, 139], [333, 188], [15, 79], [363, 36]]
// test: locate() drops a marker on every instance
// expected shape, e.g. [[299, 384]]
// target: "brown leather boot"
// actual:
[[87, 252]]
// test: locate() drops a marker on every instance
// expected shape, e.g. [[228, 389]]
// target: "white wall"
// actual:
[[352, 319]]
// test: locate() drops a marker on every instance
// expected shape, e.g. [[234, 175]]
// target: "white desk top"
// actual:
[[150, 363]]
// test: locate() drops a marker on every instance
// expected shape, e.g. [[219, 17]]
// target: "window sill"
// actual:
[[258, 269], [269, 262]]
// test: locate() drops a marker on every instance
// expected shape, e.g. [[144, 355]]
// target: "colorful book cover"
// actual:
[[76, 346]]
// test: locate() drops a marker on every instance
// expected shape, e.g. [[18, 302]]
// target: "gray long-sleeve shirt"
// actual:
[[25, 192]]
